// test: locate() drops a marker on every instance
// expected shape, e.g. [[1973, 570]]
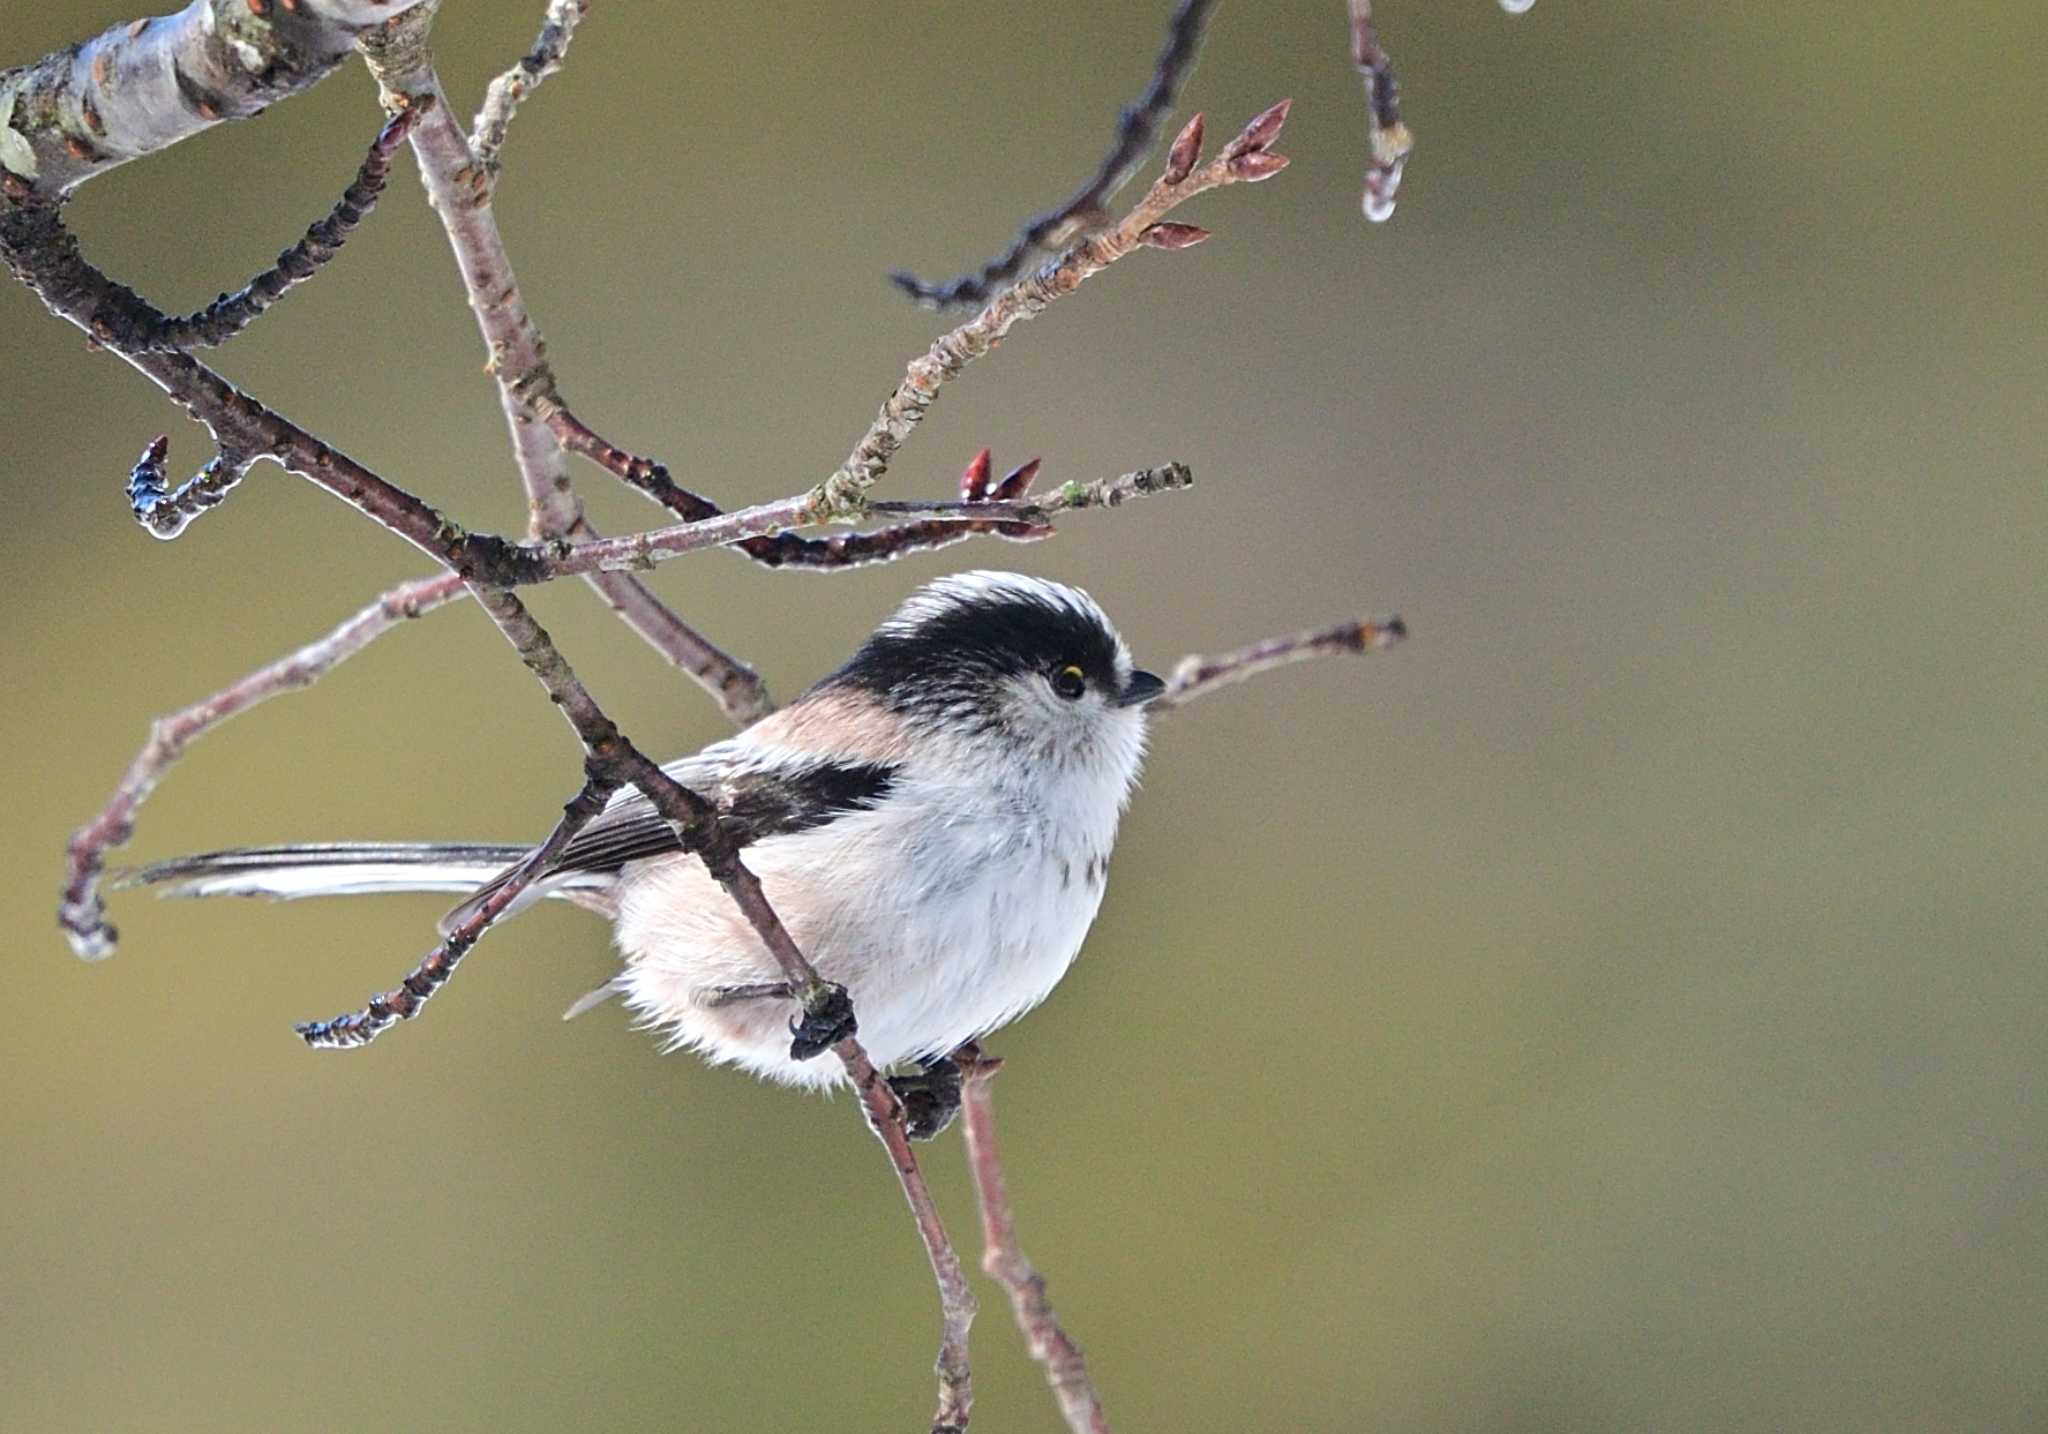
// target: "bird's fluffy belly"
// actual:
[[954, 937]]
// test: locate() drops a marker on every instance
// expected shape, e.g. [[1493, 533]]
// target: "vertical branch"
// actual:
[[1065, 1368], [459, 190], [1388, 140]]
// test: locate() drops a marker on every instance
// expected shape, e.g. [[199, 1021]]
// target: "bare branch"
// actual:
[[231, 313], [1004, 1260], [642, 550], [458, 188], [81, 912], [1197, 676], [45, 256], [503, 98], [144, 86], [410, 996], [844, 491], [1388, 139], [779, 550], [1088, 208]]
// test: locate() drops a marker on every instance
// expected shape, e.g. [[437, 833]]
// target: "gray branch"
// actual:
[[145, 85]]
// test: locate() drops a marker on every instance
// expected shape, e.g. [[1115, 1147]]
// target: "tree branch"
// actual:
[[1197, 676], [141, 87], [779, 550], [1004, 1260], [1247, 159], [459, 191], [231, 313], [1088, 208], [1388, 140], [81, 911], [503, 98]]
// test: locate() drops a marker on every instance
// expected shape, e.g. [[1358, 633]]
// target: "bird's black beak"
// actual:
[[1142, 688]]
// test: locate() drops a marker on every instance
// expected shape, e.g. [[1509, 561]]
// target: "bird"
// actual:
[[933, 822]]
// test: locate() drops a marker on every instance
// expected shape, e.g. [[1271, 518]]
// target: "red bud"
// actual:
[[1174, 236], [1257, 165], [1017, 483], [974, 481], [1262, 131], [1187, 148]]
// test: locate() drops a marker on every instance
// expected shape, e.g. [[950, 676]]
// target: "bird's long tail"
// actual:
[[285, 873]]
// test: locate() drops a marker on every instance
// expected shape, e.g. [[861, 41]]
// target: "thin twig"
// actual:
[[779, 550], [81, 912], [410, 996], [509, 90], [231, 313], [1088, 208], [1004, 1260], [642, 550], [1247, 159], [1197, 676], [458, 188], [1388, 140]]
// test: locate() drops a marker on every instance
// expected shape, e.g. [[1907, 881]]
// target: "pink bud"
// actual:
[[1257, 165], [1017, 483], [1187, 148], [1174, 236], [974, 481], [1262, 131]]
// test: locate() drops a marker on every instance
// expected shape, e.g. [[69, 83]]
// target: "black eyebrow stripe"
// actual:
[[754, 805]]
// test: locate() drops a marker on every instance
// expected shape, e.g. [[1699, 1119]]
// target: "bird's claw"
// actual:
[[827, 1020], [931, 1098]]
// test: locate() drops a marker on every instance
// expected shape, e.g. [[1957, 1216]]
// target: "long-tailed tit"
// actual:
[[933, 823]]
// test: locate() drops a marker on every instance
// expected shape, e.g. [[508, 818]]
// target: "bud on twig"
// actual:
[[1263, 129], [974, 481], [1174, 236], [1016, 483], [1258, 165], [1187, 148]]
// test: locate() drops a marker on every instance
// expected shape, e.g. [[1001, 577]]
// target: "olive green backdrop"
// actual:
[[1620, 1008]]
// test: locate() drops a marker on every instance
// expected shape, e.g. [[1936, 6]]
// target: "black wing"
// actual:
[[754, 802]]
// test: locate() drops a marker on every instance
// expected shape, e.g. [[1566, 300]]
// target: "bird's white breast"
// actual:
[[949, 910]]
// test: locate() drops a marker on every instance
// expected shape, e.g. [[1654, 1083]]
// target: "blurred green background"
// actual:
[[1620, 1008]]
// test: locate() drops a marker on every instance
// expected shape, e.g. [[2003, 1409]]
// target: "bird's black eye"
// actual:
[[1070, 682]]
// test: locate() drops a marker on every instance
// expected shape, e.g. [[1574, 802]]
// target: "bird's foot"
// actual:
[[827, 1020], [931, 1098]]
